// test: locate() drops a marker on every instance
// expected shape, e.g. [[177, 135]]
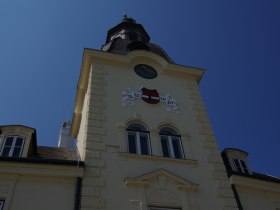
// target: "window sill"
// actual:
[[158, 158]]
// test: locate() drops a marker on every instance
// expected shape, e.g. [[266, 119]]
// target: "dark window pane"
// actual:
[[19, 141], [6, 151], [132, 36], [176, 148], [144, 144], [132, 142], [136, 127], [9, 141], [244, 166], [237, 164], [16, 152], [164, 146], [168, 131]]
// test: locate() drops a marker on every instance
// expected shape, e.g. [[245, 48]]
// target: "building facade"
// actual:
[[142, 129], [36, 177], [143, 141]]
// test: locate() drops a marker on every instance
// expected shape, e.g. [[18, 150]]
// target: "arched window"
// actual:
[[138, 141], [171, 144]]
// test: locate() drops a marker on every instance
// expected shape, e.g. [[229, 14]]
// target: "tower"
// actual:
[[142, 129]]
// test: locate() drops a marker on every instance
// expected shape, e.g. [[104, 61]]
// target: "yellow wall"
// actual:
[[256, 193], [106, 157], [38, 186]]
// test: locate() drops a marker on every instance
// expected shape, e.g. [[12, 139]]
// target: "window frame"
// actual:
[[13, 146], [138, 133], [240, 167], [170, 146]]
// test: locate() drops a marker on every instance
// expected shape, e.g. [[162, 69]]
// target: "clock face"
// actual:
[[145, 71]]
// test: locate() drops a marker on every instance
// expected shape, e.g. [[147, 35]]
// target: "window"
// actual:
[[138, 139], [240, 166], [2, 204], [12, 146], [171, 143]]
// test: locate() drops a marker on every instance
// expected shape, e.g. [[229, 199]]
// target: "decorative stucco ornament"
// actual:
[[150, 96]]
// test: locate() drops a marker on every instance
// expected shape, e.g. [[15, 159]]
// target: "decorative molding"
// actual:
[[149, 177], [190, 162], [129, 97]]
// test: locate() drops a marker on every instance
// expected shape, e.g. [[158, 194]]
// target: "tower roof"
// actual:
[[128, 36], [130, 28]]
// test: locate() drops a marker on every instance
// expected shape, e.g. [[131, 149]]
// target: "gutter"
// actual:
[[77, 202], [236, 197]]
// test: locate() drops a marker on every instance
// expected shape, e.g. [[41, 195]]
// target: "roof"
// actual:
[[128, 36], [55, 153], [234, 149], [50, 155], [124, 46], [127, 23]]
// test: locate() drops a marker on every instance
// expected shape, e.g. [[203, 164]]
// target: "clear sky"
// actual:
[[237, 42]]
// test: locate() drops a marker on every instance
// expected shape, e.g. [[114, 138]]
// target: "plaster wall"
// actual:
[[258, 200], [33, 192], [106, 157], [38, 186]]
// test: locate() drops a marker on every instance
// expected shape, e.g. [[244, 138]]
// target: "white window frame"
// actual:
[[169, 143], [243, 170], [13, 145], [138, 139], [2, 202]]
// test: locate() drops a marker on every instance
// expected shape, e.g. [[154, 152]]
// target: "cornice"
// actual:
[[49, 170]]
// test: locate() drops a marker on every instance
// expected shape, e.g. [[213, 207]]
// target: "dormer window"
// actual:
[[12, 146], [240, 166]]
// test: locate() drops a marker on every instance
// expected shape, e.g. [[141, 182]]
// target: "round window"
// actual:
[[145, 71]]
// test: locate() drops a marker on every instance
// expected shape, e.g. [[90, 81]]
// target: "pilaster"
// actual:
[[93, 181], [210, 146]]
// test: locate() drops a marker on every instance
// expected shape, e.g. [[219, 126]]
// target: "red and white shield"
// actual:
[[150, 96]]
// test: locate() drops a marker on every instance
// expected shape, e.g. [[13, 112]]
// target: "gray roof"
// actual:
[[49, 155], [55, 153]]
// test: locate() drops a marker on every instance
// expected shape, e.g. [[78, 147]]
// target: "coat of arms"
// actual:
[[150, 96]]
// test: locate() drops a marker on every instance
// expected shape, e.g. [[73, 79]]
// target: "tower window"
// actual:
[[138, 141], [240, 166], [171, 144], [12, 146], [132, 36]]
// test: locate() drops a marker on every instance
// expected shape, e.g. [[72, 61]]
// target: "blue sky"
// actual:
[[237, 42]]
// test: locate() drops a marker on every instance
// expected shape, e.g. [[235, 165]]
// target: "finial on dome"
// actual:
[[124, 14]]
